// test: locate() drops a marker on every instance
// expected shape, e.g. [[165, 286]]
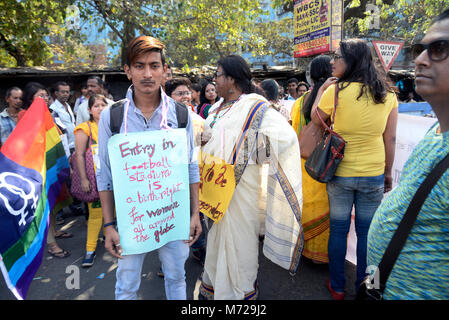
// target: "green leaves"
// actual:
[[405, 20], [24, 27], [196, 32]]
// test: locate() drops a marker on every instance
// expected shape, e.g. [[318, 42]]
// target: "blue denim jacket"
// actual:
[[136, 122], [7, 125]]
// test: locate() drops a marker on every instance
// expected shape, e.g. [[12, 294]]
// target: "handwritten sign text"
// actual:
[[151, 188]]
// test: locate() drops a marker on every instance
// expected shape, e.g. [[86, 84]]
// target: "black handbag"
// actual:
[[368, 289], [327, 155]]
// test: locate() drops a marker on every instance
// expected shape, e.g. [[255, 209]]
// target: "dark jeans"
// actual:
[[366, 194]]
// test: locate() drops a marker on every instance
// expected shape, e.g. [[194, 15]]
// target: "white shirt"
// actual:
[[66, 116], [78, 102], [83, 114]]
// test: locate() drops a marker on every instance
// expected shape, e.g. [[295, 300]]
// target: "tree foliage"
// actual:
[[404, 19], [278, 37], [221, 27], [24, 26], [34, 33], [194, 31], [125, 18]]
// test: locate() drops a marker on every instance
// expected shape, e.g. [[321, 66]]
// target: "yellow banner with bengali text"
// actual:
[[217, 185]]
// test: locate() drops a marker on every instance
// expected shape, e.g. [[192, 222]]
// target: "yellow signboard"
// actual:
[[317, 26], [217, 185]]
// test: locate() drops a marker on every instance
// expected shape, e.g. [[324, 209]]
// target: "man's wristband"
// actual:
[[113, 223]]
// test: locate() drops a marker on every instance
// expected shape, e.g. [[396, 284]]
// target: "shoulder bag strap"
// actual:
[[90, 135], [335, 105], [332, 118], [399, 238]]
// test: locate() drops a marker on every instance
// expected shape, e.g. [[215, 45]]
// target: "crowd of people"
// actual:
[[301, 217]]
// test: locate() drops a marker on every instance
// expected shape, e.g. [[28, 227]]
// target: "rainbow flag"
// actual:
[[33, 171]]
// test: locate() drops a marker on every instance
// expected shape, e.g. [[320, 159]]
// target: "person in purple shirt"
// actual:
[[145, 67]]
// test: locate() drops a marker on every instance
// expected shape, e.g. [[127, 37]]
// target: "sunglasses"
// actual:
[[437, 50], [337, 56], [182, 93]]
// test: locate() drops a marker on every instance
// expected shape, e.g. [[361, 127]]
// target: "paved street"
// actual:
[[97, 282]]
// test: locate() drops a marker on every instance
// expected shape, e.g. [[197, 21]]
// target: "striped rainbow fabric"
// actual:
[[33, 170]]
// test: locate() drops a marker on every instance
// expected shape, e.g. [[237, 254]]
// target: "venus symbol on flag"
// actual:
[[20, 191]]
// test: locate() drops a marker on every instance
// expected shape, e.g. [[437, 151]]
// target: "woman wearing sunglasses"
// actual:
[[366, 118], [232, 255]]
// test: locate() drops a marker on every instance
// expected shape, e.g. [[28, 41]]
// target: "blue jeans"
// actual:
[[366, 194], [173, 256]]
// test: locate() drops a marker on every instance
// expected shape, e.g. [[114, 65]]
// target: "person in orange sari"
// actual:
[[315, 214]]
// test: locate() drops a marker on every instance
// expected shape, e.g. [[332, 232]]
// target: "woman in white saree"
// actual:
[[245, 131]]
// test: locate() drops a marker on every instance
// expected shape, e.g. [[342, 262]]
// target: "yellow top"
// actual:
[[85, 128], [362, 124]]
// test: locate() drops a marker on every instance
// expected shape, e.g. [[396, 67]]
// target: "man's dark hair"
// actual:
[[172, 84], [442, 16], [10, 90], [98, 79], [141, 45], [292, 80], [302, 83], [271, 89], [196, 86], [60, 84]]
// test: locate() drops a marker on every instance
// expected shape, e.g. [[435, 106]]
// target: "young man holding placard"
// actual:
[[148, 109]]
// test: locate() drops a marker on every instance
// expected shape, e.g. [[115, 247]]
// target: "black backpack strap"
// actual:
[[182, 114], [116, 116], [117, 111]]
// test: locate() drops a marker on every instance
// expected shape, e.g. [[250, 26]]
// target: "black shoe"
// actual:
[[77, 209]]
